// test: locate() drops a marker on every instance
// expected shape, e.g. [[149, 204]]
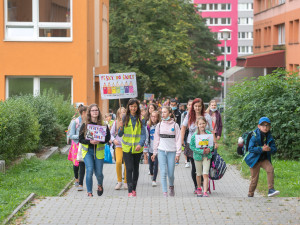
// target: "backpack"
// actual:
[[217, 167], [242, 150], [69, 128]]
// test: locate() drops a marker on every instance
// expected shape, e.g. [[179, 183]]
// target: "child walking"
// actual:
[[202, 157], [261, 146], [167, 144], [118, 148], [153, 165]]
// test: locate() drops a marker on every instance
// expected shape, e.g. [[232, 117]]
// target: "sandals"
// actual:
[[100, 190]]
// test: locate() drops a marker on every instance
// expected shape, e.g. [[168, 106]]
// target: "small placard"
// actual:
[[204, 140], [95, 132]]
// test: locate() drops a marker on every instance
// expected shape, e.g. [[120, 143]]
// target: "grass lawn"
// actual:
[[42, 177], [287, 173]]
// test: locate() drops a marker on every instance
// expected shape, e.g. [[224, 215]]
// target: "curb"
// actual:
[[27, 200], [49, 153], [66, 188]]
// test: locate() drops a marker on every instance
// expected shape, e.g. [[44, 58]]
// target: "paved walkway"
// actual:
[[227, 204]]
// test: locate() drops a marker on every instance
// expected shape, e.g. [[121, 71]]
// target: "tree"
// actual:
[[166, 43]]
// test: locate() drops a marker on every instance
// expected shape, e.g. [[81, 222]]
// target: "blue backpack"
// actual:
[[217, 167]]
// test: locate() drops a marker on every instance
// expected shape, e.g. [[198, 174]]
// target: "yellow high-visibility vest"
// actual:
[[132, 137]]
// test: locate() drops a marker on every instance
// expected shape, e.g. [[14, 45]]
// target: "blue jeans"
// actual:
[[166, 162], [92, 165]]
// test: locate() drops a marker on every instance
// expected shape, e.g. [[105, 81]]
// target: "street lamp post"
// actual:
[[226, 33]]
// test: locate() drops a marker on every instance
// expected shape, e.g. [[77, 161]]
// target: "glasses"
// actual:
[[266, 125], [95, 110]]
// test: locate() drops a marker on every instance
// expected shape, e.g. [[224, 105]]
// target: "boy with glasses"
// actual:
[[261, 146]]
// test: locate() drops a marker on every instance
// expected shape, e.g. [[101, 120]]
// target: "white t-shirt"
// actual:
[[193, 127]]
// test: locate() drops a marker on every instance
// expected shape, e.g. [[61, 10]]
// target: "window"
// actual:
[[245, 6], [223, 48], [281, 34], [38, 20], [245, 35], [35, 85], [281, 2], [220, 36], [245, 49], [245, 21], [218, 21], [228, 63], [215, 7]]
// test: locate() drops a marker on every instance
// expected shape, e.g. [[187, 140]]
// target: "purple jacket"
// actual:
[[218, 122]]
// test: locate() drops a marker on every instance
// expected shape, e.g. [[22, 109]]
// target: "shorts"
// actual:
[[202, 167]]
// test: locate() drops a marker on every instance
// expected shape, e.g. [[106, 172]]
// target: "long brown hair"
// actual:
[[192, 113], [133, 101], [147, 117], [118, 117], [89, 118]]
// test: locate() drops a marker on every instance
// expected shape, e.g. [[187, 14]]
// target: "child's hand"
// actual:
[[153, 158], [116, 142], [138, 148], [266, 148], [177, 159], [216, 145], [206, 150], [94, 142]]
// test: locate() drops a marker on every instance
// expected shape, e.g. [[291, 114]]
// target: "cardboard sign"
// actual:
[[95, 132], [148, 96], [118, 85], [204, 140]]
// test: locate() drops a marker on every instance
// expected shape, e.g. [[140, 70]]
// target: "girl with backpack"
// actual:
[[167, 145], [197, 110], [93, 151], [78, 167], [155, 118], [216, 118], [118, 148], [202, 156], [133, 132]]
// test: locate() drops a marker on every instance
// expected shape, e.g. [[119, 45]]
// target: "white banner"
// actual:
[[118, 85], [204, 140]]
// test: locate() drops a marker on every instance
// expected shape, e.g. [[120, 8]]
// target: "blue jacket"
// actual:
[[255, 148]]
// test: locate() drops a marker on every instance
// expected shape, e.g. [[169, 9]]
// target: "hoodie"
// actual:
[[167, 144]]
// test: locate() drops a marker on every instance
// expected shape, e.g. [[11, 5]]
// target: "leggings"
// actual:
[[81, 170], [193, 172], [153, 166], [132, 163]]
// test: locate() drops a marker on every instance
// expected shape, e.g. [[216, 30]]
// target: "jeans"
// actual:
[[79, 170], [132, 163], [167, 166], [153, 166], [93, 164]]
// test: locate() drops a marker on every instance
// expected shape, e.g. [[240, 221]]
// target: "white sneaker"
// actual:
[[118, 186], [125, 186], [187, 165], [149, 173], [154, 184]]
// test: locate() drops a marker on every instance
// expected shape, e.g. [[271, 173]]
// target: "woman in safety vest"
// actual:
[[93, 151], [133, 133]]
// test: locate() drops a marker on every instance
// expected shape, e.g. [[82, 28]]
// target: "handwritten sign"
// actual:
[[118, 85], [204, 140], [95, 132]]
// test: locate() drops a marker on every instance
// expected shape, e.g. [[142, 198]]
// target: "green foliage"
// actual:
[[166, 43], [275, 96], [42, 177], [19, 128]]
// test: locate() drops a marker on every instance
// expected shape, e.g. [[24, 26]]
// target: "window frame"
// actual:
[[35, 25], [36, 84]]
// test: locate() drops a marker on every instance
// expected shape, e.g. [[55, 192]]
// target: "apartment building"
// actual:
[[58, 44]]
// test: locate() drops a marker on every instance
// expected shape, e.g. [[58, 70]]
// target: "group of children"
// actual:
[[160, 139]]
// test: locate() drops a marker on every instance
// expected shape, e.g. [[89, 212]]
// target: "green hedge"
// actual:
[[276, 96], [27, 123]]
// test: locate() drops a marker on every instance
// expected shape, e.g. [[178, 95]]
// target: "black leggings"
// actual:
[[153, 166], [81, 170], [193, 172], [132, 163]]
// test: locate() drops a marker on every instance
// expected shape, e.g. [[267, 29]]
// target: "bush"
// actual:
[[275, 96], [19, 128]]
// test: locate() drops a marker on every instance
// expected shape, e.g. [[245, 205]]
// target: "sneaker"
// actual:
[[172, 192], [199, 192], [154, 184], [250, 195], [177, 163], [100, 190], [130, 195], [187, 165], [165, 194], [76, 184], [80, 188], [205, 194], [118, 186], [90, 194], [149, 173], [125, 186], [273, 192], [195, 191], [134, 193]]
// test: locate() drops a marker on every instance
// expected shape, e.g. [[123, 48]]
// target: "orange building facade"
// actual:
[[58, 44], [276, 29]]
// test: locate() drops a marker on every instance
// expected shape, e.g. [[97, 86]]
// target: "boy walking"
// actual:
[[261, 146]]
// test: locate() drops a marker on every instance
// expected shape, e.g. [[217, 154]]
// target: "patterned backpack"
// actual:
[[217, 167]]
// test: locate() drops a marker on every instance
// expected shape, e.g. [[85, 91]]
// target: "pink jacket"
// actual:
[[167, 144]]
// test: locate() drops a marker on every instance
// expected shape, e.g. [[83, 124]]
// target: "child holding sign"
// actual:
[[202, 146]]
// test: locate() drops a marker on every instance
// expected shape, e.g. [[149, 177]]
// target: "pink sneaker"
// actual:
[[205, 194], [199, 192], [130, 195], [165, 194], [134, 193]]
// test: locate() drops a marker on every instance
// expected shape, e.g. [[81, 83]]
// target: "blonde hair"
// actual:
[[118, 117], [208, 108], [198, 120]]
